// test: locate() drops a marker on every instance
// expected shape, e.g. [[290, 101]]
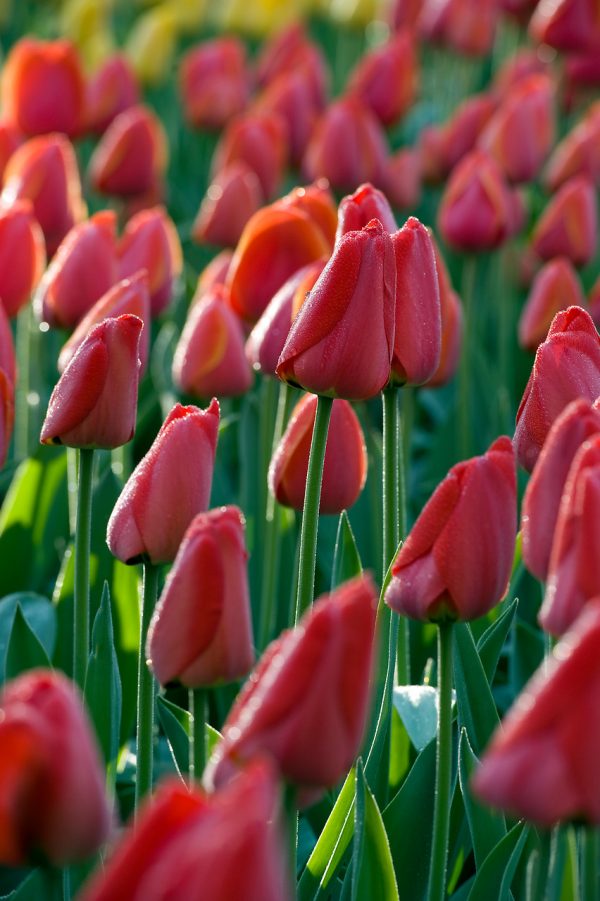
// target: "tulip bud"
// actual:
[[43, 88], [44, 171], [566, 366], [460, 24], [22, 256], [82, 270], [209, 357], [110, 91], [150, 241], [568, 225], [536, 765], [7, 414], [10, 140], [451, 315], [306, 702], [51, 779], [168, 487], [317, 201], [213, 274], [230, 201], [258, 140], [289, 51], [342, 339], [457, 559], [556, 287], [386, 79], [94, 403], [130, 295], [404, 177], [405, 13], [342, 484], [516, 69], [132, 155], [213, 82], [418, 338], [356, 210], [201, 632], [581, 77], [572, 25], [443, 146], [578, 153], [578, 422], [292, 97], [187, 844]]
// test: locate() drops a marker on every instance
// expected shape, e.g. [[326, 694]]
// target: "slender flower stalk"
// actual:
[[145, 690], [590, 888], [443, 775], [198, 705], [81, 602]]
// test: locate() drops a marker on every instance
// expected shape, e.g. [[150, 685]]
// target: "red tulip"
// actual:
[[201, 631], [110, 91], [578, 422], [386, 79], [555, 287], [132, 154], [230, 201], [44, 171], [7, 348], [94, 403], [572, 25], [569, 224], [257, 139], [306, 702], [462, 25], [288, 51], [516, 69], [51, 779], [537, 765], [567, 366], [345, 467], [451, 324], [130, 295], [405, 13], [214, 273], [291, 96], [150, 241], [186, 844], [356, 210], [168, 487], [342, 339], [10, 140], [457, 559], [581, 78], [418, 338], [578, 153], [443, 146], [403, 178], [43, 88], [213, 82], [83, 269], [22, 256], [7, 414]]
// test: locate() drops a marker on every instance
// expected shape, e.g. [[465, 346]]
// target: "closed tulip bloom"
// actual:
[[572, 25], [568, 225], [356, 210], [7, 414], [527, 110], [386, 79], [555, 287], [451, 312], [43, 88], [130, 295], [292, 97], [319, 204], [578, 422], [111, 90], [516, 69], [342, 484], [289, 50], [348, 146], [443, 146], [22, 256], [51, 778], [566, 367], [150, 241], [403, 182], [537, 766], [82, 270], [7, 347], [460, 24], [187, 844], [305, 705], [94, 403], [578, 153], [230, 201], [265, 341], [213, 82], [277, 241], [214, 273], [201, 631], [209, 357], [405, 13], [581, 78], [457, 559], [418, 334], [341, 342], [257, 139], [132, 154], [168, 487], [10, 139], [44, 171]]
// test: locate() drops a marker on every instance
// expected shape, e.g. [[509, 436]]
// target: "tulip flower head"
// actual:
[[213, 82], [7, 414], [132, 155], [291, 97], [356, 210], [451, 324], [22, 255], [572, 25], [150, 241], [568, 225], [230, 201], [555, 287], [386, 79], [578, 153], [111, 90], [257, 139]]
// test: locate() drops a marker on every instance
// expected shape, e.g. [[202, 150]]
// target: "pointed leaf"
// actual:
[[486, 828], [40, 616], [372, 868], [25, 650], [103, 682], [494, 877], [476, 708], [175, 723], [346, 559], [489, 646]]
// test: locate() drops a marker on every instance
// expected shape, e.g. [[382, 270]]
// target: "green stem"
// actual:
[[590, 862], [310, 514], [145, 690], [198, 708], [23, 348], [443, 776], [81, 599], [556, 864], [53, 884]]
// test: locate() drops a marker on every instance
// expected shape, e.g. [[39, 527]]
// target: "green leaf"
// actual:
[[175, 723], [489, 646], [39, 614], [476, 708], [346, 559], [372, 868], [408, 829], [486, 828], [33, 888], [102, 692], [527, 654], [25, 650], [494, 877]]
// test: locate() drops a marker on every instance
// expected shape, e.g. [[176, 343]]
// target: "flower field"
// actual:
[[299, 450]]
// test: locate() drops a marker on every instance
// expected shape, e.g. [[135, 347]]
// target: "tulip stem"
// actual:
[[53, 884], [590, 864], [145, 692], [310, 514], [198, 709], [443, 775], [81, 598]]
